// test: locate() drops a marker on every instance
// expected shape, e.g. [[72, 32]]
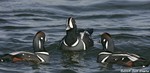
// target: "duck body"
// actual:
[[79, 46], [124, 59], [40, 55], [76, 40], [110, 56]]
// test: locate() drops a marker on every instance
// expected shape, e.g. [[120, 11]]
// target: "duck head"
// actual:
[[71, 24], [107, 42], [71, 32], [38, 42]]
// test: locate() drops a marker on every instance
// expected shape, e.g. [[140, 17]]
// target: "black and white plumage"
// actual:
[[40, 54], [110, 56], [107, 42], [76, 39]]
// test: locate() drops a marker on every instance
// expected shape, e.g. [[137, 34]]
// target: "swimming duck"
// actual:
[[40, 55], [109, 56], [76, 39]]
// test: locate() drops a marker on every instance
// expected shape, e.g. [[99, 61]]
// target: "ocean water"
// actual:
[[128, 21]]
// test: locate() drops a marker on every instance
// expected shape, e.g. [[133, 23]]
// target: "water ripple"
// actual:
[[126, 20]]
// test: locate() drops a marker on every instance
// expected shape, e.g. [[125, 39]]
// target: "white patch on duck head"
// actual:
[[40, 44], [44, 39], [41, 38], [106, 45], [104, 40], [69, 24]]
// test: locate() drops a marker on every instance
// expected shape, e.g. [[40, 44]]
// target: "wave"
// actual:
[[3, 21], [15, 27], [122, 4], [24, 15], [109, 16]]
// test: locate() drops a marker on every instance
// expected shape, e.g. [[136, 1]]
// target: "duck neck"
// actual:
[[71, 37]]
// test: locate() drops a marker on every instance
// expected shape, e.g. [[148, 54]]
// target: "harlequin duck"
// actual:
[[76, 39], [109, 56], [40, 54]]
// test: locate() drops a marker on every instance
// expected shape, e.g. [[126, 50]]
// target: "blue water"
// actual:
[[127, 20]]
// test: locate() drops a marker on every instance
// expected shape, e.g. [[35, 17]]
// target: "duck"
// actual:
[[109, 56], [76, 39], [40, 54]]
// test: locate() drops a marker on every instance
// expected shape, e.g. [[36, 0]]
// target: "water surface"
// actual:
[[127, 21]]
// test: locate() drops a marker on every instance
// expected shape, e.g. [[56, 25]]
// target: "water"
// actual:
[[127, 21]]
